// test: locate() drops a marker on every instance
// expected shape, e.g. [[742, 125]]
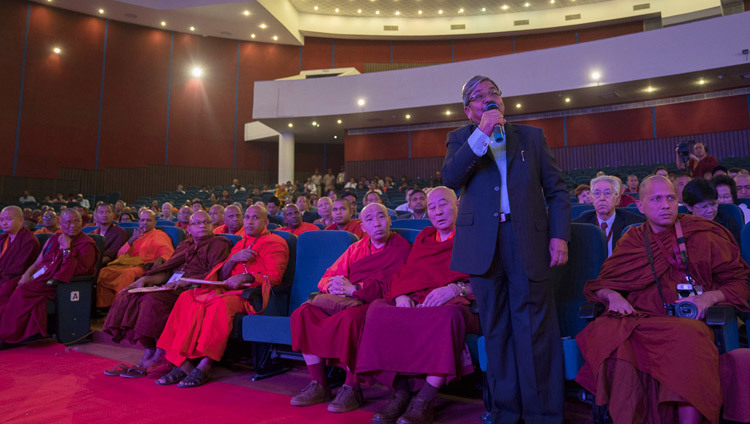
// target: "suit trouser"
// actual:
[[522, 339]]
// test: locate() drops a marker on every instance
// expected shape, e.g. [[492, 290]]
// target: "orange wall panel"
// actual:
[[376, 146], [554, 130], [591, 34], [711, 115], [61, 92], [608, 127], [429, 143], [544, 41], [12, 30], [438, 51], [478, 48], [317, 53], [358, 52], [134, 108]]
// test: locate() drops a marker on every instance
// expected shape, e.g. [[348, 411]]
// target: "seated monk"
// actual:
[[49, 224], [183, 217], [216, 213], [114, 235], [420, 328], [649, 366], [361, 273], [325, 210], [140, 317], [201, 321], [232, 221], [342, 218], [293, 221], [64, 256], [18, 250], [147, 246]]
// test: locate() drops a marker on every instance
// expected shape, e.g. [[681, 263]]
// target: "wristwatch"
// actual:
[[66, 253]]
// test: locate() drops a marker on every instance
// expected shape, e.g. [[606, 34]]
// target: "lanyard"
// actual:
[[683, 254]]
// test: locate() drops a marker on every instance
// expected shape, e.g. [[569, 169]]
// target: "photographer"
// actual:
[[699, 163], [641, 361]]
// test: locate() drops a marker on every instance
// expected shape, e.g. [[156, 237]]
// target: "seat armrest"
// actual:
[[591, 310], [278, 303], [720, 314]]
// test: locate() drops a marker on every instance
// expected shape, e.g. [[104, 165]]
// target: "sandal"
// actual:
[[135, 372], [194, 379], [118, 370], [174, 376]]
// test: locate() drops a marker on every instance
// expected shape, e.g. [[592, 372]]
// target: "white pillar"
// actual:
[[286, 157]]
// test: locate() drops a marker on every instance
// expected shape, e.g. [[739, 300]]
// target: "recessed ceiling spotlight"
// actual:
[[596, 75], [56, 50], [290, 125], [263, 26], [567, 100], [527, 4], [335, 136], [246, 12], [440, 12], [338, 121], [701, 81], [101, 11], [275, 38], [336, 10], [461, 10], [650, 89], [163, 23], [314, 124], [407, 116], [377, 12], [315, 8], [252, 35], [484, 9], [447, 112], [361, 102], [419, 12], [359, 10], [192, 28], [518, 105], [551, 1], [398, 13], [197, 72], [505, 7]]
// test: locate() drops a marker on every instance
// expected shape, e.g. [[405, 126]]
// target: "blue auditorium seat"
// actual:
[[234, 238], [734, 211], [409, 234], [415, 224], [176, 234], [577, 210]]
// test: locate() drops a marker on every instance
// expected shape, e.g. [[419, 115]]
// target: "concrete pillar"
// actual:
[[286, 157]]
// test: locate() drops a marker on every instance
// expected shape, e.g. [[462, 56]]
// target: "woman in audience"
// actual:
[[583, 194], [701, 199]]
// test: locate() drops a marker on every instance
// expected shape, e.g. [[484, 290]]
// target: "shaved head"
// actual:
[[11, 219], [645, 188], [13, 211]]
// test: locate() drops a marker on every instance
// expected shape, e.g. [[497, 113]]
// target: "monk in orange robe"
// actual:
[[147, 246], [293, 221], [201, 321], [64, 256], [114, 235], [419, 328], [361, 273], [232, 221], [183, 217], [18, 250], [650, 367], [140, 317], [342, 218], [49, 224]]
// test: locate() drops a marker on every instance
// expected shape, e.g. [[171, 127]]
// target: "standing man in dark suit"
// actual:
[[606, 193], [507, 242]]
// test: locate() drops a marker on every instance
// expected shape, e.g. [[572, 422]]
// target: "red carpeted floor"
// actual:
[[49, 383]]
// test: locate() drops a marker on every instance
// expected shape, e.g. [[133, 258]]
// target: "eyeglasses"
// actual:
[[605, 193], [482, 96], [47, 218], [703, 206]]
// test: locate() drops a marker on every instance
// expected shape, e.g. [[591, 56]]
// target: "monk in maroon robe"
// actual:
[[361, 273], [140, 317], [18, 250], [648, 366], [342, 218], [114, 235], [420, 328], [64, 256], [293, 221]]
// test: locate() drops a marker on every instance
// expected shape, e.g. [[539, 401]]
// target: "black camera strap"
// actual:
[[653, 268]]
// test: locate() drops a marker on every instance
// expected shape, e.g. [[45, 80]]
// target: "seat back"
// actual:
[[176, 234], [165, 222], [234, 238], [577, 210], [128, 224], [316, 252], [734, 212], [415, 224], [745, 245], [409, 234], [43, 238], [627, 227], [291, 242]]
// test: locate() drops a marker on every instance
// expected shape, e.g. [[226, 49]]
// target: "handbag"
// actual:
[[331, 303]]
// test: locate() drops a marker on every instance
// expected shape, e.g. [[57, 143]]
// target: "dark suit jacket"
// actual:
[[533, 176], [623, 218]]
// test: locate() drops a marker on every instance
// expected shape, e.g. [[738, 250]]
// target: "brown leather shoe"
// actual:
[[347, 399], [394, 409], [420, 411], [313, 394]]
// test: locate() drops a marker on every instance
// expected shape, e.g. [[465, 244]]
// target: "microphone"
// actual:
[[498, 132]]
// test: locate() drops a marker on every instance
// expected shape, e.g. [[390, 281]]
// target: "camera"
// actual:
[[682, 310], [684, 148]]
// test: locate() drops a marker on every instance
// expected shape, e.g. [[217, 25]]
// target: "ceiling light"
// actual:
[[361, 102], [398, 13], [318, 125], [263, 26], [567, 100], [49, 1], [163, 23], [377, 12], [101, 11], [440, 12], [275, 38], [315, 8], [56, 50], [407, 116], [336, 10], [527, 4], [252, 35], [505, 7], [461, 10], [447, 112], [701, 81], [596, 75], [551, 1], [650, 89], [518, 105], [290, 125], [335, 136], [192, 28], [197, 72], [314, 123], [339, 121], [484, 9], [246, 12], [359, 10], [419, 12]]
